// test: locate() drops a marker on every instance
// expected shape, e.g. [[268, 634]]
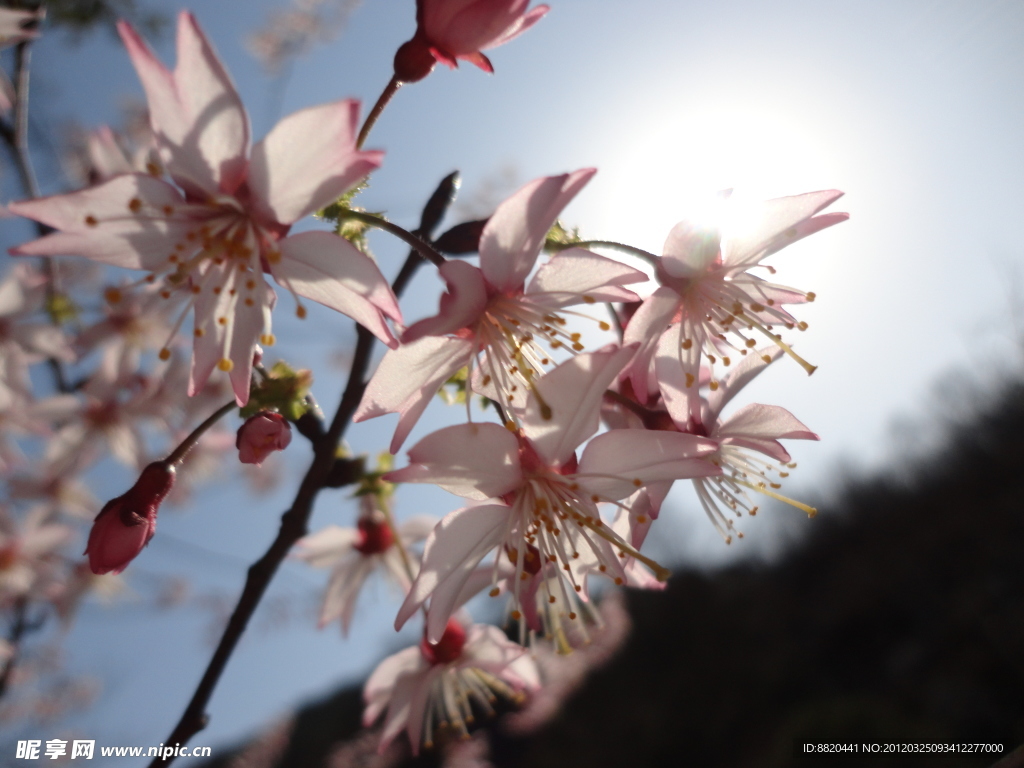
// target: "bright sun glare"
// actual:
[[685, 161]]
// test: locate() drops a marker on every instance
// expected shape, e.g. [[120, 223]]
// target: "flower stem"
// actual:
[[402, 551], [421, 246], [640, 253], [378, 108], [186, 445]]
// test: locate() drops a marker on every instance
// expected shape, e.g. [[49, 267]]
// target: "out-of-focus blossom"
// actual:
[[353, 554], [111, 415], [261, 435], [709, 304], [17, 25], [98, 154], [136, 322], [449, 30], [22, 297], [126, 524], [292, 32], [492, 310], [20, 412], [434, 686], [226, 223], [28, 552], [548, 499]]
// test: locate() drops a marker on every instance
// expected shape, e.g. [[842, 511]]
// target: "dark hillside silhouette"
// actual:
[[900, 618]]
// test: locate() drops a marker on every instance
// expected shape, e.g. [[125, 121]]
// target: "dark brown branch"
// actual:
[[18, 629]]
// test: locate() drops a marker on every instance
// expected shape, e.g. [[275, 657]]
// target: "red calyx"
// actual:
[[531, 563], [414, 60], [374, 537], [448, 648]]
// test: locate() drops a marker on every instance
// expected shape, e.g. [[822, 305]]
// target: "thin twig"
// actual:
[[640, 253], [18, 630], [425, 249], [189, 442], [378, 108]]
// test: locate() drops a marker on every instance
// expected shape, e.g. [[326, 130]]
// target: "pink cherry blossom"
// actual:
[[126, 524], [709, 304], [744, 439], [261, 435], [29, 552], [449, 30], [429, 685], [548, 498], [211, 239], [353, 554], [492, 311]]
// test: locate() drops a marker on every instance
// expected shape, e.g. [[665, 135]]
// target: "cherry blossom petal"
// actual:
[[208, 344], [323, 548], [805, 228], [689, 249], [197, 116], [408, 377], [748, 369], [406, 689], [245, 328], [678, 370], [417, 528], [514, 235], [309, 160], [776, 217], [526, 21], [475, 461], [645, 328], [576, 275], [461, 305], [565, 408], [378, 688], [105, 155], [770, 422], [330, 270], [488, 647], [464, 28], [613, 462], [343, 590], [98, 223], [418, 705], [458, 543]]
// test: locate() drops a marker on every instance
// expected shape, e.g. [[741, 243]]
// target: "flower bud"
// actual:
[[126, 524], [261, 435], [448, 30]]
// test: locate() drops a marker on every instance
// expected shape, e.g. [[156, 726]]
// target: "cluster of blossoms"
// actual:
[[601, 407]]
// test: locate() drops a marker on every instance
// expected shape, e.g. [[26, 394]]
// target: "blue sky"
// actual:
[[915, 109]]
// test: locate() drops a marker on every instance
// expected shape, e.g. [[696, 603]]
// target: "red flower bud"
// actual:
[[261, 435], [448, 30], [126, 524]]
